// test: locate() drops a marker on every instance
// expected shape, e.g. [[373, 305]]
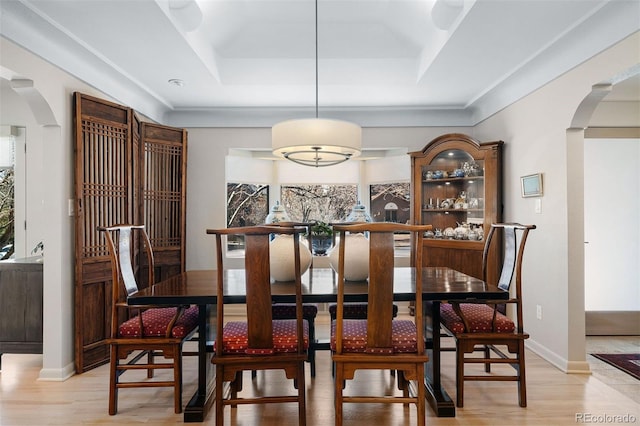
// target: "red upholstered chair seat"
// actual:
[[288, 310], [235, 338], [479, 316], [156, 320], [355, 337], [355, 310]]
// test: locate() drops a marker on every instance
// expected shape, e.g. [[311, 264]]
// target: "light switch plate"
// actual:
[[538, 205]]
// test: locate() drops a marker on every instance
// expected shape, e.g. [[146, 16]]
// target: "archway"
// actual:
[[575, 210], [57, 357]]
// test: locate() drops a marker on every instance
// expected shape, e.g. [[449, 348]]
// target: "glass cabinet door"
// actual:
[[453, 195]]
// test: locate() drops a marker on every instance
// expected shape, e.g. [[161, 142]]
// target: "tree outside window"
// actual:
[[247, 205], [7, 192], [326, 203], [6, 213]]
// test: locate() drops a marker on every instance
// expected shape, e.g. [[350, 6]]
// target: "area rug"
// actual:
[[629, 363]]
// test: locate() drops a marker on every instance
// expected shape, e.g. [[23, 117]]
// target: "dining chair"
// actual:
[[260, 342], [480, 326], [380, 342], [146, 331], [309, 310]]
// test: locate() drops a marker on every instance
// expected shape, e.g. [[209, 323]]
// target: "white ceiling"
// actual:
[[381, 62]]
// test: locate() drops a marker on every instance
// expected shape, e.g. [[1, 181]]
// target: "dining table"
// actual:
[[319, 285]]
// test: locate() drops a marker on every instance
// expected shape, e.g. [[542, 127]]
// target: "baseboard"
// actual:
[[57, 374], [612, 323], [561, 363]]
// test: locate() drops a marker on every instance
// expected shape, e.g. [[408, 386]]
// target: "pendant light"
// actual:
[[316, 142]]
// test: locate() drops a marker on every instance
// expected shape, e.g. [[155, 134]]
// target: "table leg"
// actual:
[[437, 396], [202, 400]]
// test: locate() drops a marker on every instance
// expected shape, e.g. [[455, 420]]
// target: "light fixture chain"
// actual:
[[316, 58]]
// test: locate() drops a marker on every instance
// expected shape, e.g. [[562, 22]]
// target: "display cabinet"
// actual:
[[456, 186]]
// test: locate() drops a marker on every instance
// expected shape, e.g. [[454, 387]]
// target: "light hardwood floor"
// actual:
[[554, 398]]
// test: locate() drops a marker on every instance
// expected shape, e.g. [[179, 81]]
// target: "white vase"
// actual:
[[358, 214], [278, 214], [281, 258], [356, 257]]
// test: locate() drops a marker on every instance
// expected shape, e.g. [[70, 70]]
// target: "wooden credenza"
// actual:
[[21, 306]]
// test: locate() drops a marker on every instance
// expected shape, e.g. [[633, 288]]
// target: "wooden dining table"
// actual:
[[198, 287]]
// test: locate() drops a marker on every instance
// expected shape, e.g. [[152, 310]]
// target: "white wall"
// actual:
[[612, 224], [537, 139]]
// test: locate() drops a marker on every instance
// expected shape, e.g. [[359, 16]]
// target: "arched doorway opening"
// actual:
[[46, 133], [576, 211]]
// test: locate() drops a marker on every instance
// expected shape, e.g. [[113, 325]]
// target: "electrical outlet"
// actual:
[[539, 312]]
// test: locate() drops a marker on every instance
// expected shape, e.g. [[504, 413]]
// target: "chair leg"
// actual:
[[522, 379], [459, 376], [302, 417], [177, 380], [487, 355], [150, 360], [113, 381], [236, 386], [403, 385], [218, 392], [338, 384], [421, 403], [312, 346]]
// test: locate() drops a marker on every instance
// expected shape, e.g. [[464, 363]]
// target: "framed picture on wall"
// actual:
[[531, 185]]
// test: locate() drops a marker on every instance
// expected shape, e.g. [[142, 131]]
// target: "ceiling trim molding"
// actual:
[[365, 117], [23, 25], [584, 42]]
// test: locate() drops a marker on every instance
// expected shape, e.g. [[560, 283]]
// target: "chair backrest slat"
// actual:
[[510, 256], [380, 298], [258, 280]]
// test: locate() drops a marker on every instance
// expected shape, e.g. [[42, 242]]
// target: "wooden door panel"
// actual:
[[127, 171], [163, 183], [104, 196]]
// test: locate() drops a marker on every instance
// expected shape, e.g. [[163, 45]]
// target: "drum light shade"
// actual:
[[316, 142]]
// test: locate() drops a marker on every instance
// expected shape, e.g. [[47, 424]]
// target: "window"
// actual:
[[247, 205], [390, 202], [327, 203], [7, 161]]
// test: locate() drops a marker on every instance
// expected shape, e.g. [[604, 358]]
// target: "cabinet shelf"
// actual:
[[452, 210], [454, 179], [479, 189]]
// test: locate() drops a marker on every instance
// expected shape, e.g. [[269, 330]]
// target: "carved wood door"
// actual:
[[163, 195], [127, 171], [104, 195]]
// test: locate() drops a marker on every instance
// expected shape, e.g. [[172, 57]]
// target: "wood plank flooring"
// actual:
[[554, 398]]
